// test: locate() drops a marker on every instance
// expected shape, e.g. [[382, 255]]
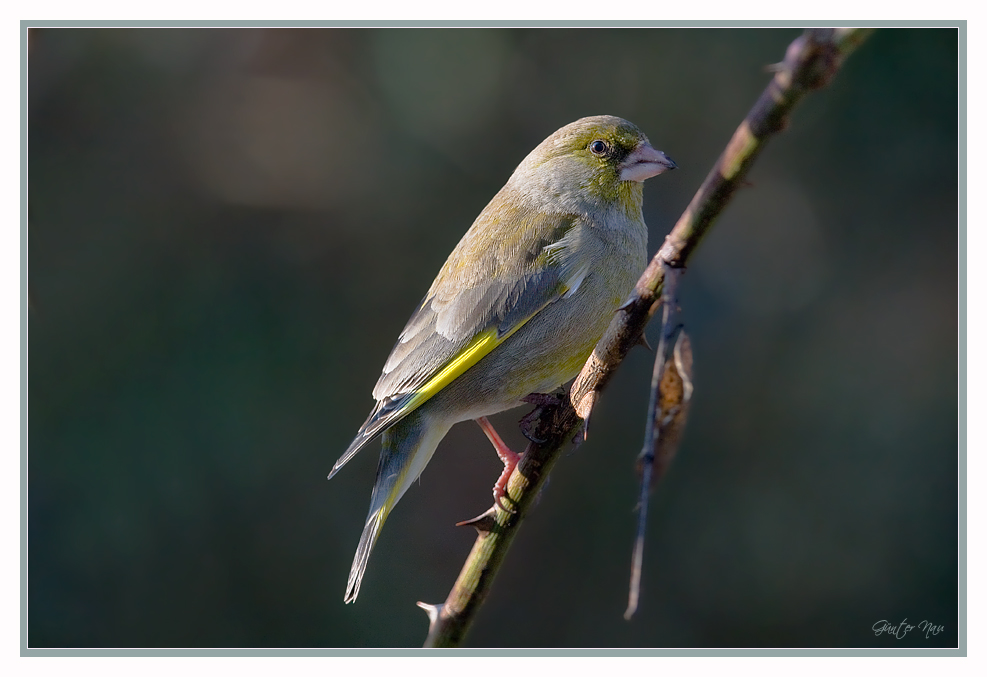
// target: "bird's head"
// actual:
[[599, 160]]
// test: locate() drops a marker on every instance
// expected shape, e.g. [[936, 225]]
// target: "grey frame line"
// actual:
[[960, 651]]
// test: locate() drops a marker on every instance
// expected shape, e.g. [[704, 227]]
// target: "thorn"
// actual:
[[482, 523], [775, 67], [628, 303], [578, 439], [642, 340], [433, 611]]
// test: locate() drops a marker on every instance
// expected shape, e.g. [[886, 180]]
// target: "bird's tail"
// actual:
[[374, 522], [407, 449]]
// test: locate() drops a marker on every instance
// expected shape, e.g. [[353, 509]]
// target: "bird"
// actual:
[[517, 307]]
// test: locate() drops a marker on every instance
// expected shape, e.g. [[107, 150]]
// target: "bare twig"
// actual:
[[671, 391], [810, 62]]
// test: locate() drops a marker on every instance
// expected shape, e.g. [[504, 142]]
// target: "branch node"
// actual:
[[807, 65]]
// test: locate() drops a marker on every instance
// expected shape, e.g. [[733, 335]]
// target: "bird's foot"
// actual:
[[509, 457], [500, 488]]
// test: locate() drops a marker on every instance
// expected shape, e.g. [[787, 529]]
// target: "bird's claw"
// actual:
[[509, 458], [500, 488], [499, 501], [499, 496]]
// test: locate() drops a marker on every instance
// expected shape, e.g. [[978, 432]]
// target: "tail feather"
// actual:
[[385, 413], [407, 448], [367, 540]]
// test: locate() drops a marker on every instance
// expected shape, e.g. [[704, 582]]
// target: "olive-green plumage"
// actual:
[[518, 305]]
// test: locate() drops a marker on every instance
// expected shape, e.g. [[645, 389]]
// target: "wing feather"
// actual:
[[480, 298]]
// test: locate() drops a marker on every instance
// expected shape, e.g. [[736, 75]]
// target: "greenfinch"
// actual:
[[518, 306]]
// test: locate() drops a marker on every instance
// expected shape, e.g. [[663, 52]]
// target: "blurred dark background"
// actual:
[[228, 229]]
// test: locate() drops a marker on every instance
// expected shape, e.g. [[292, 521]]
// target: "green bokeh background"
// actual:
[[228, 229]]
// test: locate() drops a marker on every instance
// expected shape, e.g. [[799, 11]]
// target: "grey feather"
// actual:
[[491, 292]]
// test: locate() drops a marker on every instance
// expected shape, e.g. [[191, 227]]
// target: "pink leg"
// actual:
[[509, 458]]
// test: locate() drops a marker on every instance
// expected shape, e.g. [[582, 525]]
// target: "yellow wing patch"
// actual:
[[475, 350], [478, 348]]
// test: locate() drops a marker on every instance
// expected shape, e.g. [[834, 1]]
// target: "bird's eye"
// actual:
[[599, 147]]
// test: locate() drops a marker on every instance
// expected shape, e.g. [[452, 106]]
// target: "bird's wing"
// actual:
[[521, 266]]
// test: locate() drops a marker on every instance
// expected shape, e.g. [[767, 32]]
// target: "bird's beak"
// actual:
[[644, 163]]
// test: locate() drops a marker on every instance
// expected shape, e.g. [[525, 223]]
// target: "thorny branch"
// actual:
[[810, 62]]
